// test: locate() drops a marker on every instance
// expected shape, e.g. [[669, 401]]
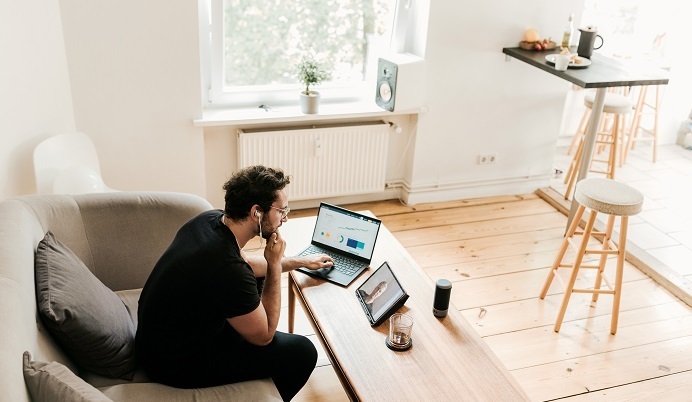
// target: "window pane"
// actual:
[[631, 28], [263, 40]]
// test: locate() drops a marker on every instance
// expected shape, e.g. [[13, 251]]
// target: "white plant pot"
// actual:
[[310, 102]]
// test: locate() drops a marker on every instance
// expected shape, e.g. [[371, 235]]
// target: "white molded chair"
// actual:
[[68, 164]]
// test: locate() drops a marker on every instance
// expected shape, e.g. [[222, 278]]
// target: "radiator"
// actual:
[[323, 161]]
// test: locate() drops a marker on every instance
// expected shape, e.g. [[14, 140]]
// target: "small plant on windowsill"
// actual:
[[311, 72]]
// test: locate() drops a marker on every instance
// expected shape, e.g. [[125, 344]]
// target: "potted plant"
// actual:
[[310, 72]]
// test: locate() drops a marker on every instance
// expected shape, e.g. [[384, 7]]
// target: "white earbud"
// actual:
[[258, 214]]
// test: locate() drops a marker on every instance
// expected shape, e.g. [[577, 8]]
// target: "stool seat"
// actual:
[[609, 197], [613, 103]]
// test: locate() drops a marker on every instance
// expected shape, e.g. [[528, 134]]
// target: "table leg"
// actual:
[[291, 303], [589, 141]]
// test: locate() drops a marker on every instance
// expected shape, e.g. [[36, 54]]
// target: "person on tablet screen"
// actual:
[[376, 292], [208, 312]]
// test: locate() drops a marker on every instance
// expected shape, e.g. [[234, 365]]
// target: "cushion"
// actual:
[[86, 318], [52, 381], [255, 390]]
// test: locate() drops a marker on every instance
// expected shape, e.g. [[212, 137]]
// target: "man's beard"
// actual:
[[266, 230]]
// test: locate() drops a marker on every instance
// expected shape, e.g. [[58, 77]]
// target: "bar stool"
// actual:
[[605, 196], [642, 108], [618, 106]]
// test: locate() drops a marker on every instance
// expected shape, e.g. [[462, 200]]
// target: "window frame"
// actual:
[[211, 63]]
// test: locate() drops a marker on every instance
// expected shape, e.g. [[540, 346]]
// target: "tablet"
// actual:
[[381, 295]]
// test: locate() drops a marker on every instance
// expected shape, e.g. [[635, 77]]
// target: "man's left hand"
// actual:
[[317, 261]]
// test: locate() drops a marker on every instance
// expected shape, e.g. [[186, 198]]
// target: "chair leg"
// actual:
[[612, 162], [575, 270], [655, 130], [618, 275], [573, 171], [581, 129], [634, 128], [604, 257], [561, 253], [641, 105], [575, 159]]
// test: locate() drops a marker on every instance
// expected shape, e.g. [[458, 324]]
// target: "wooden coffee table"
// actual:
[[448, 360]]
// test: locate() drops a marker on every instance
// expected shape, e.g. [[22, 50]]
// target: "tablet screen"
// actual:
[[380, 292]]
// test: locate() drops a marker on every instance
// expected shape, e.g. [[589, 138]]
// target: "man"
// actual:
[[208, 313]]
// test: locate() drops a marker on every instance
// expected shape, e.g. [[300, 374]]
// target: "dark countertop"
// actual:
[[602, 73]]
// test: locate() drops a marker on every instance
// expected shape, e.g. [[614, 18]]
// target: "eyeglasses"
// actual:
[[284, 211]]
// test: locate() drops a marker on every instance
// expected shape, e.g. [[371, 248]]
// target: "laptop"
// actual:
[[348, 237]]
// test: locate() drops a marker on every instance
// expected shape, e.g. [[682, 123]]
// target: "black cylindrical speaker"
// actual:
[[443, 290]]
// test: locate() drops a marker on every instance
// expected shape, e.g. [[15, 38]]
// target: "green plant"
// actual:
[[311, 72]]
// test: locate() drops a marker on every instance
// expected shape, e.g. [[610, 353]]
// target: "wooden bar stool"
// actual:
[[614, 105], [644, 107], [608, 197]]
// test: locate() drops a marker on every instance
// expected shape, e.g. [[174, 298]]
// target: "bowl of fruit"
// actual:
[[532, 41]]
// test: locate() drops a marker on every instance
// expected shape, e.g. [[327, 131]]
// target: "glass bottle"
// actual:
[[569, 30]]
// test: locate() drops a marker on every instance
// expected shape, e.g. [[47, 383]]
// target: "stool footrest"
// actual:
[[599, 291], [581, 266], [593, 233], [600, 251]]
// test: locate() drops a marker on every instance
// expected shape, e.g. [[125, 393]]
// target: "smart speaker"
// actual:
[[443, 290], [399, 82]]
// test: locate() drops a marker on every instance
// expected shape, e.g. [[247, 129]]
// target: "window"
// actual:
[[251, 47], [631, 28]]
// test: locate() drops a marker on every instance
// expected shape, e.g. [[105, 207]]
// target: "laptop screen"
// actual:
[[345, 230]]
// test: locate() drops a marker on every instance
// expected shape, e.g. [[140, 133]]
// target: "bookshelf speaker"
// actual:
[[400, 82]]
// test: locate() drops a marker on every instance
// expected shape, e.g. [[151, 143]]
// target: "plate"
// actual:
[[583, 61]]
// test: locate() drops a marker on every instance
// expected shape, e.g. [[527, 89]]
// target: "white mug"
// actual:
[[562, 61]]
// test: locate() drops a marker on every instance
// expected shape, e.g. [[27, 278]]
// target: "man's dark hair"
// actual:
[[252, 185]]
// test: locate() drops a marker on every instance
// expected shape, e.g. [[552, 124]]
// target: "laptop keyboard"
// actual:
[[342, 264]]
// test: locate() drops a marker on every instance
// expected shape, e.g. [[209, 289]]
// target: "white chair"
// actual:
[[68, 164]]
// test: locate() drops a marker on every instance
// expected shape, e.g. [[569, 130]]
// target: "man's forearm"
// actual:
[[290, 263], [259, 264], [271, 298]]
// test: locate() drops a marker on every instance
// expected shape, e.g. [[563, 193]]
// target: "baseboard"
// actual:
[[412, 195], [391, 192]]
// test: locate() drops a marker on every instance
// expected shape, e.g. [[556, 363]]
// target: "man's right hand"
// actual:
[[274, 250]]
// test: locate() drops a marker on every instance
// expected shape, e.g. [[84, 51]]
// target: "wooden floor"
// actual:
[[497, 251]]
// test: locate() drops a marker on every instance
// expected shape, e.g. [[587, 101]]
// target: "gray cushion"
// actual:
[[52, 381], [256, 390], [86, 318]]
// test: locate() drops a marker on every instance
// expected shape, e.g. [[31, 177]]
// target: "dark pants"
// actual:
[[289, 360]]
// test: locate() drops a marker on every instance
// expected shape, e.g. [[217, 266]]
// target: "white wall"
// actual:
[[475, 101], [134, 76], [479, 103], [35, 99], [134, 72], [676, 104]]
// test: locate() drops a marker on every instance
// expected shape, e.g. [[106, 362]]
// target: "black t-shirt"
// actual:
[[199, 282]]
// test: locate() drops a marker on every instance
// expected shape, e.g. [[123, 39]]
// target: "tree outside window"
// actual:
[[264, 40]]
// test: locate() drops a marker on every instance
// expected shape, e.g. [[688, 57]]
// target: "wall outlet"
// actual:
[[487, 159]]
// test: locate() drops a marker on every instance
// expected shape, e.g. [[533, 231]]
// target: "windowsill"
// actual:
[[287, 114]]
